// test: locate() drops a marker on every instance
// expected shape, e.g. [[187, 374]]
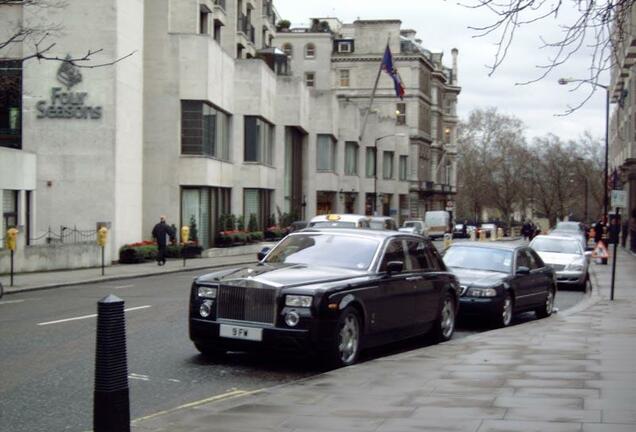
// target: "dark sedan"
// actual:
[[500, 280], [330, 292]]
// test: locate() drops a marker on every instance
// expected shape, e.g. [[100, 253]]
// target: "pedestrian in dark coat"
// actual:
[[161, 233]]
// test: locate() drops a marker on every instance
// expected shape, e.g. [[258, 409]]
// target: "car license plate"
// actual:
[[237, 332]]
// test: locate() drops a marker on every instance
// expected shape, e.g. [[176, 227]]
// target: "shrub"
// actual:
[[253, 224], [240, 223], [194, 233], [255, 236], [274, 232]]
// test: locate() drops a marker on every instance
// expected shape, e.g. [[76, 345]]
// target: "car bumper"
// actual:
[[570, 277], [207, 332], [476, 306]]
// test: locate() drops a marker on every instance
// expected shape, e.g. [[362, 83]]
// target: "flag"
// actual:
[[387, 65]]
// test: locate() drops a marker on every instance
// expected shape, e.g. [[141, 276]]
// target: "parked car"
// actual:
[[461, 231], [296, 226], [500, 280], [339, 221], [383, 223], [330, 292], [571, 229], [489, 228], [566, 256], [414, 226]]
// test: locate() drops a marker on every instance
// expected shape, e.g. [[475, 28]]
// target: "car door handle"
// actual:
[[412, 278]]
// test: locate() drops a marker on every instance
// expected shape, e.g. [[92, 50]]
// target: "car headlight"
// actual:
[[205, 309], [207, 292], [298, 301], [574, 267], [481, 292]]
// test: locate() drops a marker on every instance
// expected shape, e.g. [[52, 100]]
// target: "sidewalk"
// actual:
[[575, 371], [51, 279]]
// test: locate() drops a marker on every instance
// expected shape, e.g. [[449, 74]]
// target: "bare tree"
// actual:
[[594, 28], [40, 38]]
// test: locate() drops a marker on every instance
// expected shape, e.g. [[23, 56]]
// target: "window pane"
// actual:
[[11, 104], [325, 154], [403, 167], [351, 158], [371, 161], [387, 165], [251, 139]]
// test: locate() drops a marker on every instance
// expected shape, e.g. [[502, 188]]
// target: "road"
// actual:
[[47, 354]]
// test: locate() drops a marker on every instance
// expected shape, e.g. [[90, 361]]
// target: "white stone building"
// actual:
[[204, 117]]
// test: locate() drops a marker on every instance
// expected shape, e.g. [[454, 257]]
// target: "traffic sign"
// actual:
[[619, 199]]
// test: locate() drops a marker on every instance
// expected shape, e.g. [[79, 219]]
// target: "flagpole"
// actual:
[[375, 87]]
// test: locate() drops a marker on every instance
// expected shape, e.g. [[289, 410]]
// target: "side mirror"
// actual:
[[394, 266], [523, 270], [263, 253]]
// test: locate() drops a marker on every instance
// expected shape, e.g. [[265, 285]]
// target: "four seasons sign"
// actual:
[[68, 104]]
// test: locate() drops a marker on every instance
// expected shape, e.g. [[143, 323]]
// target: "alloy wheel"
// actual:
[[349, 339], [506, 313], [448, 318], [549, 302]]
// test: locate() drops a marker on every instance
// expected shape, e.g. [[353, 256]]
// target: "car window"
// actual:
[[522, 259], [435, 260], [328, 224], [394, 252], [363, 223], [537, 259], [417, 255], [478, 258], [531, 261]]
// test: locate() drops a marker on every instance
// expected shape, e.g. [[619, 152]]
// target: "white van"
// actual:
[[437, 223]]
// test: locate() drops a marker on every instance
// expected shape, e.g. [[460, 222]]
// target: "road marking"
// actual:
[[123, 286], [89, 316], [224, 396], [10, 301], [139, 377]]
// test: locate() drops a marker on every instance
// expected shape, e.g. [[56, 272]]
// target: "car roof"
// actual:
[[380, 218], [360, 232], [342, 217], [491, 245], [558, 237]]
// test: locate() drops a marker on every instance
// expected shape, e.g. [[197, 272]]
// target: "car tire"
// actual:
[[546, 309], [344, 348], [506, 312], [444, 326], [209, 351], [583, 286]]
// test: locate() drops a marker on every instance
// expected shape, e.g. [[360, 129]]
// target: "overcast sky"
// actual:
[[443, 25]]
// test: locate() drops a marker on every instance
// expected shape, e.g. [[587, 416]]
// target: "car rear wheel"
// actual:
[[504, 317], [345, 346], [546, 309], [444, 326]]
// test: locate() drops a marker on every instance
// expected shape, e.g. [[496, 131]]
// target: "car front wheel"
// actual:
[[504, 316], [209, 351], [345, 346]]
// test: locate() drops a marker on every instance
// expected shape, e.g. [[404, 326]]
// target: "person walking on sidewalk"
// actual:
[[161, 232], [632, 231]]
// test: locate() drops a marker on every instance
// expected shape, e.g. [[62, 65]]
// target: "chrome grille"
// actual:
[[247, 304], [557, 267]]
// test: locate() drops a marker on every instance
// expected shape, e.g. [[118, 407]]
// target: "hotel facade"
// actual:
[[214, 110]]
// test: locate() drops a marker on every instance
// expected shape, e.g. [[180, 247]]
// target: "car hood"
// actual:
[[280, 275], [470, 277], [559, 258]]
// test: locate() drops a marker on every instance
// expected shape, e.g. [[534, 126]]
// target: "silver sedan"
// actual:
[[566, 256]]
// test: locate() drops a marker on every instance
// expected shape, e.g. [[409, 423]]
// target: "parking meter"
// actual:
[[185, 233], [12, 239], [448, 240], [102, 236]]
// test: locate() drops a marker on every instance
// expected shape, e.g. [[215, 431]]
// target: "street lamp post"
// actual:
[[564, 81], [375, 169]]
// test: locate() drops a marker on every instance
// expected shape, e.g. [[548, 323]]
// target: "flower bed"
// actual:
[[139, 252]]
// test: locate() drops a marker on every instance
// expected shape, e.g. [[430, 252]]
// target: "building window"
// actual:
[[257, 202], [310, 78], [205, 130], [351, 158], [204, 206], [259, 141], [288, 49], [403, 167], [11, 104], [400, 113], [344, 78], [371, 163], [344, 46], [9, 210], [325, 153], [310, 51], [387, 165], [217, 30], [204, 20]]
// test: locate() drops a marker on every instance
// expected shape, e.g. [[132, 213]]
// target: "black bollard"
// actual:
[[111, 406]]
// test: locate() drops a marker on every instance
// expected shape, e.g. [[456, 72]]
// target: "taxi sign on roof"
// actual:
[[333, 217]]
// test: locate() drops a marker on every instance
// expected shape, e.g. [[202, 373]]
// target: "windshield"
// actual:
[[478, 258], [545, 244], [377, 224], [326, 249], [568, 226], [411, 224], [328, 224]]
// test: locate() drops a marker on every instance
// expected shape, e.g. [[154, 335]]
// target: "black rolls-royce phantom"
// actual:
[[330, 292]]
